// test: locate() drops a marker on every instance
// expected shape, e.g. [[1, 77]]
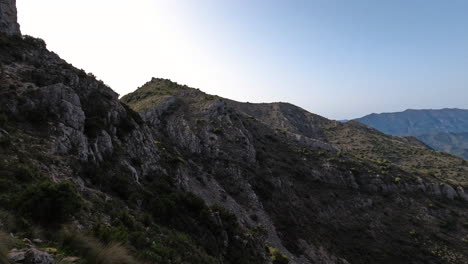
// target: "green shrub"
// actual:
[[24, 173], [139, 240], [276, 256], [127, 220], [122, 185], [109, 234], [172, 206], [198, 240], [280, 259], [49, 204], [13, 178], [177, 247]]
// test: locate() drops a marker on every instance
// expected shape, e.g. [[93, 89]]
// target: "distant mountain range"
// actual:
[[444, 129]]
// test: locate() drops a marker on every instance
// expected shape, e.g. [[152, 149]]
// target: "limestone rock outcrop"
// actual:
[[8, 18]]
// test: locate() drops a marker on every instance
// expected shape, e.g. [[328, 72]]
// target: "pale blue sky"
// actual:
[[337, 58]]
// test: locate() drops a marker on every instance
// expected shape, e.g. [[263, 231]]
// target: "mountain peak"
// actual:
[[155, 80], [156, 90], [8, 18]]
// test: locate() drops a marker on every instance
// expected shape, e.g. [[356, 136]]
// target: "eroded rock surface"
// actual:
[[8, 18]]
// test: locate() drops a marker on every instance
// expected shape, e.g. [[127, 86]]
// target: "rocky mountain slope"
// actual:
[[317, 172], [444, 130], [174, 175]]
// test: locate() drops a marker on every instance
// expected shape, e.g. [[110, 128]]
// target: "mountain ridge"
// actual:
[[260, 164], [177, 176], [441, 129]]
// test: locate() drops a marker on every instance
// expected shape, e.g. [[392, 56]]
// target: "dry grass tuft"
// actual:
[[95, 252], [112, 254], [5, 242]]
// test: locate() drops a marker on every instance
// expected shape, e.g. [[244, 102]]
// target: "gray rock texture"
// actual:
[[16, 256], [8, 18], [34, 256]]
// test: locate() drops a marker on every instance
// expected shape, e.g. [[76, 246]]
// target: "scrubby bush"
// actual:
[[276, 256], [177, 247], [122, 184], [48, 204], [36, 42], [175, 207], [110, 234], [24, 173], [13, 177], [280, 259]]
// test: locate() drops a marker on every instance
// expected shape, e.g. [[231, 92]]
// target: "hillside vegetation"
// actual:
[[171, 175]]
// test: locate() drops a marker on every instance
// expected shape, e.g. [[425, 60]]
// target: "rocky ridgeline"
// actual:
[[204, 125]]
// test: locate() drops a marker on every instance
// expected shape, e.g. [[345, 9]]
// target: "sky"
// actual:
[[341, 59]]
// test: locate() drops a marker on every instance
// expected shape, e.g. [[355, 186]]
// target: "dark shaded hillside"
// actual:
[[442, 129]]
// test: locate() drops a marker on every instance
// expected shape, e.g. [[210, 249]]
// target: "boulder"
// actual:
[[34, 256], [37, 241], [449, 191], [16, 256]]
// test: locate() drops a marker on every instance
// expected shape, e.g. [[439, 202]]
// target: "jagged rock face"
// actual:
[[70, 117], [8, 18], [290, 169]]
